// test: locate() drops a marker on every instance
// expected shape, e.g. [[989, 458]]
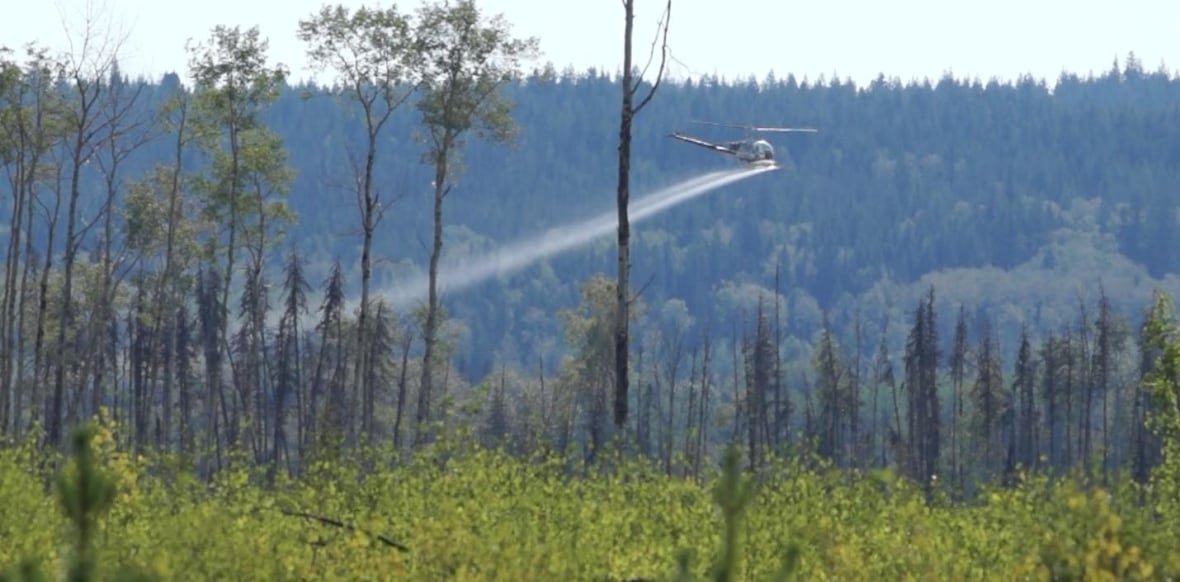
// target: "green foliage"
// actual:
[[457, 511], [467, 58], [1163, 383], [234, 84], [368, 50], [230, 70], [732, 494], [85, 494]]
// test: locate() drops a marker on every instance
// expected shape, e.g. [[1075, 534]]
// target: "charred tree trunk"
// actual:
[[401, 388], [622, 200]]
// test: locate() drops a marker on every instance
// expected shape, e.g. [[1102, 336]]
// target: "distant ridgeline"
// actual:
[[1015, 200]]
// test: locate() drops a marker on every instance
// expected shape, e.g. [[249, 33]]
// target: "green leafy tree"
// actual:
[[179, 252], [10, 141], [1163, 383], [586, 372], [31, 126], [124, 128], [234, 84], [467, 58], [371, 53]]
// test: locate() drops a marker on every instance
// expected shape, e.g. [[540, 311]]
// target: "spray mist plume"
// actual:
[[516, 256]]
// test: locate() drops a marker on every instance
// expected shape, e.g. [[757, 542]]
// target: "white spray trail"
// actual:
[[518, 255]]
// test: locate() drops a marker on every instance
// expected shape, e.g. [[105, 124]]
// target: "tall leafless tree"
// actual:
[[627, 113], [86, 68]]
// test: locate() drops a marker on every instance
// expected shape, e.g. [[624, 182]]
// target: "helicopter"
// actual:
[[754, 152]]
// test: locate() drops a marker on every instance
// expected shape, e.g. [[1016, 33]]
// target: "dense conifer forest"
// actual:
[[959, 280]]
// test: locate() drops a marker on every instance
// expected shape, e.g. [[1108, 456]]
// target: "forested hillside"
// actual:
[[1019, 220], [902, 182], [1032, 194]]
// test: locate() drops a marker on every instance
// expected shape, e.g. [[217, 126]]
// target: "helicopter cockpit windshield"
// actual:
[[762, 150]]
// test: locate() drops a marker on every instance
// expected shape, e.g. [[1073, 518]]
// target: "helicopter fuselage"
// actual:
[[754, 152]]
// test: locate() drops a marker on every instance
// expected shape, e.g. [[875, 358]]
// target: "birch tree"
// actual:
[[370, 54], [467, 58]]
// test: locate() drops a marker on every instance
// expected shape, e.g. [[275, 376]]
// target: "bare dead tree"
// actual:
[[627, 114], [84, 69]]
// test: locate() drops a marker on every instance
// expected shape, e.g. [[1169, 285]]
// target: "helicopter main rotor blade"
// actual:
[[758, 128], [786, 129], [715, 124]]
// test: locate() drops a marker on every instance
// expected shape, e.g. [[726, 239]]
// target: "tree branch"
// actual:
[[651, 53], [635, 296], [348, 526], [663, 62]]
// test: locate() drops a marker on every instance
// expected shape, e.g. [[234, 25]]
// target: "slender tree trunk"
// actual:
[[65, 318], [180, 329], [782, 399], [10, 350], [738, 408], [164, 290], [690, 414], [702, 437], [1050, 397], [103, 312], [401, 389], [430, 329], [27, 193], [227, 282], [40, 365], [27, 270], [855, 453], [643, 422], [623, 266], [1067, 393], [1087, 412], [671, 427], [368, 214]]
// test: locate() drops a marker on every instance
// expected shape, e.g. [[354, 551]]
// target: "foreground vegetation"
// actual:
[[461, 511], [456, 509]]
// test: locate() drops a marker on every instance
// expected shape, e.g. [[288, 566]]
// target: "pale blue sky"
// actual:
[[907, 39]]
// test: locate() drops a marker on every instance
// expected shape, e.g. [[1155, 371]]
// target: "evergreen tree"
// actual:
[[921, 371], [1027, 418]]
